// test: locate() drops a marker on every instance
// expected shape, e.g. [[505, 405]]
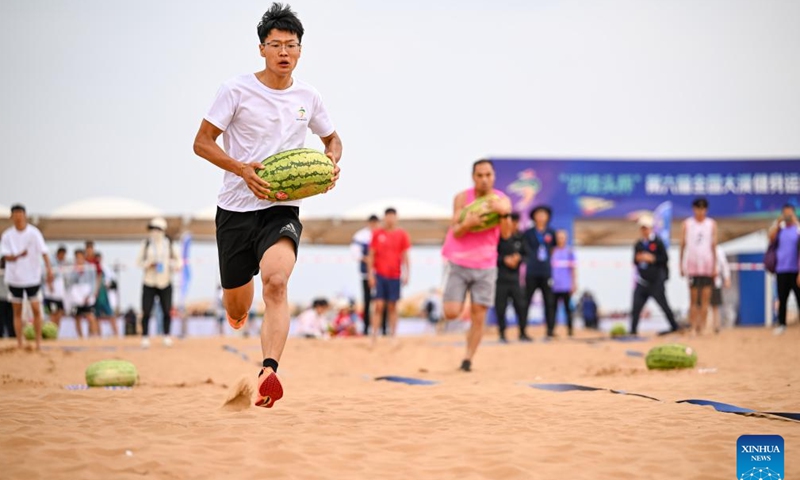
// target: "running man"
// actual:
[[23, 248], [699, 262], [472, 256], [259, 115], [387, 268]]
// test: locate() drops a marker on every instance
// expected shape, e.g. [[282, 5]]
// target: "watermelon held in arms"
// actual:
[[669, 356], [111, 373], [481, 206], [296, 174]]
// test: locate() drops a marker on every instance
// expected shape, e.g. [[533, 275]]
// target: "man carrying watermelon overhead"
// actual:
[[259, 115], [470, 247]]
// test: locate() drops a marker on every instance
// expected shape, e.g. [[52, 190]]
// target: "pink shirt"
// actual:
[[473, 249], [699, 254]]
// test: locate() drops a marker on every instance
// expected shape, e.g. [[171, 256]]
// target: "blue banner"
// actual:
[[186, 272], [627, 188], [662, 222]]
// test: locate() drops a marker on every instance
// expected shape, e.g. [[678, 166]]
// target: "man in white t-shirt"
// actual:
[[54, 295], [23, 248], [359, 247], [699, 262], [259, 115]]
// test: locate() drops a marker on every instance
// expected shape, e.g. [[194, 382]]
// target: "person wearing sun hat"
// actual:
[[540, 241], [651, 260], [159, 259]]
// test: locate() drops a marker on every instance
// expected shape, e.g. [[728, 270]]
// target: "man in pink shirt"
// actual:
[[472, 256]]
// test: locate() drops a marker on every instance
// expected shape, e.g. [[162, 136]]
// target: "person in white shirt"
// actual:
[[722, 280], [699, 262], [54, 296], [312, 323], [23, 248], [82, 292], [359, 248], [259, 115], [159, 259]]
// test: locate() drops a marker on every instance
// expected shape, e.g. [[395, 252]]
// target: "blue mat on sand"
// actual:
[[634, 353], [236, 351], [407, 380], [718, 406]]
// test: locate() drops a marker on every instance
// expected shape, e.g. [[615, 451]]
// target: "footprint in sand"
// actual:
[[239, 397]]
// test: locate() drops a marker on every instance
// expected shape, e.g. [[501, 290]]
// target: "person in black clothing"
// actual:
[[539, 241], [511, 252], [651, 260]]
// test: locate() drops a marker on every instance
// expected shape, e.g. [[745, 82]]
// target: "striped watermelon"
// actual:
[[480, 205], [111, 373], [672, 355], [296, 174]]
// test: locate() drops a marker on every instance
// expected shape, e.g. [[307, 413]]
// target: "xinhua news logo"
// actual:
[[759, 457]]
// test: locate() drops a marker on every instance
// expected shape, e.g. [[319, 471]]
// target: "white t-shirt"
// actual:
[[257, 122], [311, 323], [25, 271]]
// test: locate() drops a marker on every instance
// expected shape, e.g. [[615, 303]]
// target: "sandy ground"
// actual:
[[335, 421]]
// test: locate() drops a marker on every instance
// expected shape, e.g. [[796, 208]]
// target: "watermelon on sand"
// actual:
[[49, 331], [111, 373], [672, 355], [481, 206], [296, 174], [618, 330], [28, 332]]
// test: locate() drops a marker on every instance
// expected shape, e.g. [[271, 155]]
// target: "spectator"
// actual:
[[511, 254], [55, 292], [6, 310], [160, 260], [360, 250], [786, 232], [82, 292], [565, 276], [540, 241], [312, 322]]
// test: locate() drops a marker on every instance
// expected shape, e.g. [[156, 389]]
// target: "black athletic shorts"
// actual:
[[52, 305], [84, 309], [701, 282], [18, 293], [243, 237], [716, 297]]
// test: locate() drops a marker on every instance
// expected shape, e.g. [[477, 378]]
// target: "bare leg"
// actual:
[[475, 334], [705, 301], [36, 307], [276, 267], [392, 306], [18, 322], [376, 318], [94, 328], [78, 318], [114, 330], [693, 311], [237, 301], [715, 318]]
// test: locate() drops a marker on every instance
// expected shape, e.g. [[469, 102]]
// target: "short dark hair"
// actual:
[[515, 216], [18, 207], [80, 251], [701, 202], [373, 218], [61, 248], [481, 161], [390, 210], [789, 205], [89, 243], [279, 17]]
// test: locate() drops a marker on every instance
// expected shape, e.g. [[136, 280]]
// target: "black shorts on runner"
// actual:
[[52, 305], [243, 237], [701, 282], [18, 294]]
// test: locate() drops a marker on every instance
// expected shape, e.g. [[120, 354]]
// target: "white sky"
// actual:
[[104, 97]]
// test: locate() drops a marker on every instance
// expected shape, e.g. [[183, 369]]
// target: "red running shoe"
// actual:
[[269, 389]]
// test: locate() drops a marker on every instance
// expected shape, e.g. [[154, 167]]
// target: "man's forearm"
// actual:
[[333, 145], [211, 151]]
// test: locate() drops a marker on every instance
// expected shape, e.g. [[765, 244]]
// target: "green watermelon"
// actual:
[[296, 174], [111, 373], [28, 331], [618, 330], [672, 355], [489, 219], [49, 331]]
